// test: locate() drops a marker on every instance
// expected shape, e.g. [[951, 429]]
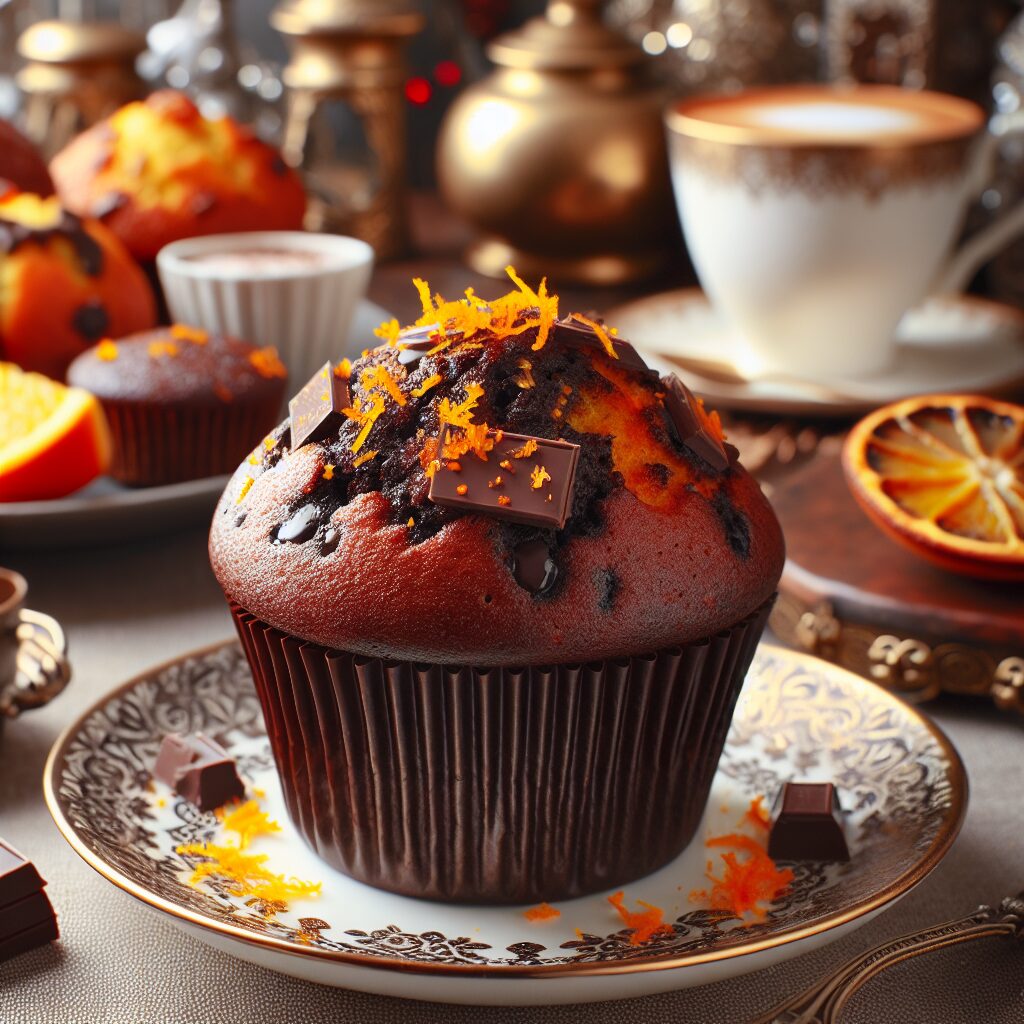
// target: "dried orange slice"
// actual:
[[944, 475], [53, 439]]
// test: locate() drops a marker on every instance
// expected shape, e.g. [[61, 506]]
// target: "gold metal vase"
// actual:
[[558, 156]]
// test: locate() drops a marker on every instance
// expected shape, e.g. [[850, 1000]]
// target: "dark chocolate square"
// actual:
[[31, 938], [24, 913], [199, 770], [316, 411], [508, 491], [579, 335], [687, 421], [18, 876], [807, 824]]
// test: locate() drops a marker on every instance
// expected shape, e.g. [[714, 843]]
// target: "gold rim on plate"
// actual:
[[926, 862]]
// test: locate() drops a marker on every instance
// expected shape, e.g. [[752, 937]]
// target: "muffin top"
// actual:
[[65, 283], [179, 364], [156, 171], [499, 484]]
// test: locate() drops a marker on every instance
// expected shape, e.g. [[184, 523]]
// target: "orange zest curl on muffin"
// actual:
[[156, 171]]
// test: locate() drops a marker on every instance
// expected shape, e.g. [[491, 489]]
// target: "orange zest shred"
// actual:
[[542, 912], [757, 814], [643, 924], [525, 379], [526, 451], [343, 371], [267, 363], [389, 331], [601, 333], [411, 523], [182, 332], [365, 457], [245, 488], [106, 350], [246, 874], [248, 820], [745, 885], [461, 414], [504, 499], [366, 415], [432, 381], [711, 421], [477, 438], [539, 477], [157, 349], [329, 468], [379, 377]]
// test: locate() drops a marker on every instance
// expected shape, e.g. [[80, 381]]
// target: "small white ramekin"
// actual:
[[304, 312]]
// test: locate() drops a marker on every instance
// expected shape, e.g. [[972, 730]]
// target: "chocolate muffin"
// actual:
[[499, 585], [156, 171], [182, 404]]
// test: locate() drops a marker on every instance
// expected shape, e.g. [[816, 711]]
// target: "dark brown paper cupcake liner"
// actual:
[[497, 785], [164, 444]]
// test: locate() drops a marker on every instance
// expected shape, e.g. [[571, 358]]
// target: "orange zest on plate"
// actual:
[[643, 924], [542, 912], [53, 439], [944, 476]]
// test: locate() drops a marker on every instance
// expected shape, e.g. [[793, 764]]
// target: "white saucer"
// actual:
[[948, 344], [903, 785], [108, 512]]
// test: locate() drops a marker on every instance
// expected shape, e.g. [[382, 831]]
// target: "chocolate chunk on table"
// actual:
[[18, 876], [316, 411], [26, 916], [523, 479], [199, 770], [807, 824]]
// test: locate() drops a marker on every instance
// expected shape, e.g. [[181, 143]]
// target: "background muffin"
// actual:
[[469, 706], [65, 283], [156, 171], [182, 404], [22, 169]]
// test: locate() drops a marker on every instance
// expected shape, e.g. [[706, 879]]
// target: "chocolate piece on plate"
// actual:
[[316, 411], [691, 424], [524, 479], [807, 824], [577, 334], [199, 770], [18, 876]]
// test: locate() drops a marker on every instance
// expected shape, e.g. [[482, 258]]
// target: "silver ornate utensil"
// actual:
[[824, 1002]]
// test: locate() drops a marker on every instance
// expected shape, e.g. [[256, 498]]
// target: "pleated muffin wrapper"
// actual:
[[497, 785], [165, 444]]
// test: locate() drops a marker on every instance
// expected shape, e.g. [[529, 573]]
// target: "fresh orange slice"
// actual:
[[944, 475], [53, 439]]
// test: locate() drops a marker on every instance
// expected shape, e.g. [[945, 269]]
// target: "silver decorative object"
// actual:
[[712, 45]]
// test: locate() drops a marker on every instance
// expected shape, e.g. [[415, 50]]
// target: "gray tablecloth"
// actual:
[[128, 608]]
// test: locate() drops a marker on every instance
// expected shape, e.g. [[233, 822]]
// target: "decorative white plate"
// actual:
[[950, 344], [902, 782], [107, 511]]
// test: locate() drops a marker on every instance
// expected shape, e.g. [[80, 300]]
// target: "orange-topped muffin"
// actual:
[[156, 171], [181, 403], [499, 584], [65, 283]]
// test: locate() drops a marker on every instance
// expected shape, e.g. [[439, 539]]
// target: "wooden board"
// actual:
[[854, 596]]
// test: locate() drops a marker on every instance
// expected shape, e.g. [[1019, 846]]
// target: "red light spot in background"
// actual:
[[418, 91], [448, 72]]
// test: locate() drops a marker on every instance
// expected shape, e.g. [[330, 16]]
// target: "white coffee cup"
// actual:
[[294, 290], [817, 215]]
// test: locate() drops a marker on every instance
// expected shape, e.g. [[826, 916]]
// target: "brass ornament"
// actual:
[[558, 157], [74, 76], [913, 668], [350, 53]]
